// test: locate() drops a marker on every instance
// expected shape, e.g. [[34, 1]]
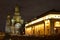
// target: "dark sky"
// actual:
[[28, 8]]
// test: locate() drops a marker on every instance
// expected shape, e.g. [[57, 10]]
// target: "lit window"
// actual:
[[47, 23], [57, 24]]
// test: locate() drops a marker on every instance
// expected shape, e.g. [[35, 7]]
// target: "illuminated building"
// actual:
[[7, 28], [46, 24], [14, 24]]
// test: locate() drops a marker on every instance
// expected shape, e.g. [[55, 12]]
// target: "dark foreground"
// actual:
[[55, 37]]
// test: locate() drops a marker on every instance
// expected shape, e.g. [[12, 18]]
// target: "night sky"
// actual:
[[28, 8]]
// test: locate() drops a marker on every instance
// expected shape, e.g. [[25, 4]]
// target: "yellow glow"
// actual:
[[57, 24], [29, 28], [39, 29], [47, 21], [47, 27], [55, 16], [54, 28], [28, 31], [18, 19], [12, 20]]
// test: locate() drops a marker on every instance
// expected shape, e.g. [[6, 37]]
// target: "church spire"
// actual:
[[17, 11]]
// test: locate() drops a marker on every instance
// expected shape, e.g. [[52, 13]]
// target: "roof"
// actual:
[[53, 11], [46, 15]]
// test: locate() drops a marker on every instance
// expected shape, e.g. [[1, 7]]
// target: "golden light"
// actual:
[[47, 21], [12, 21], [54, 28], [49, 16], [38, 29], [28, 31], [57, 24]]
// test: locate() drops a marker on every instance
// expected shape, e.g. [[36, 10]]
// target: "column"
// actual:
[[51, 26]]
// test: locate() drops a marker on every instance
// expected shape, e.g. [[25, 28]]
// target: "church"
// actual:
[[14, 24]]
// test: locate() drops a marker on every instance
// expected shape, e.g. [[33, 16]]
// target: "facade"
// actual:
[[14, 24], [47, 24]]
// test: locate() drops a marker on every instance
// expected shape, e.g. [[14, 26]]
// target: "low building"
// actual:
[[47, 24]]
